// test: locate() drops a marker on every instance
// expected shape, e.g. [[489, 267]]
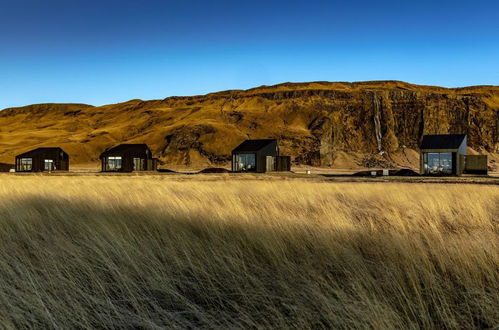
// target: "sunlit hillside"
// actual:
[[318, 124], [151, 252]]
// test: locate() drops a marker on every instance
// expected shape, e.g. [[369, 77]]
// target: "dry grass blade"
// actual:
[[152, 252]]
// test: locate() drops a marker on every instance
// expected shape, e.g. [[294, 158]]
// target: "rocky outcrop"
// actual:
[[315, 122]]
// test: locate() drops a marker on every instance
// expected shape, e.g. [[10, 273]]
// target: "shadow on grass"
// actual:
[[75, 265]]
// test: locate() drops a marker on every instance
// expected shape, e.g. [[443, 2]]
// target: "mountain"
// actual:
[[378, 123]]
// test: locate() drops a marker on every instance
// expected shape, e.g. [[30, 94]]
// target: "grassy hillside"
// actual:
[[318, 123], [152, 252]]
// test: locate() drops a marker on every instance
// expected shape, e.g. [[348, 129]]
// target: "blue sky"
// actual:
[[108, 51]]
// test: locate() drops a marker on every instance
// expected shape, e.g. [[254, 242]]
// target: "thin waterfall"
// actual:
[[377, 122]]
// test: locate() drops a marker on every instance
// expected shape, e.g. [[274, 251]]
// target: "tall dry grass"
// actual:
[[153, 252]]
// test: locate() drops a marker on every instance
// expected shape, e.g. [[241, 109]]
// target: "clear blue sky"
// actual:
[[109, 51]]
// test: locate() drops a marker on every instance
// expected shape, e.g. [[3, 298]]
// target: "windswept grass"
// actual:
[[152, 252]]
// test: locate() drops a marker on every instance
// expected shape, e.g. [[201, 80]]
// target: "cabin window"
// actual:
[[26, 164], [245, 162], [113, 163], [49, 165], [138, 164], [437, 162], [270, 163]]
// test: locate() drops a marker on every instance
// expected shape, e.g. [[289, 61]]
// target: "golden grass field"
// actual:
[[153, 252]]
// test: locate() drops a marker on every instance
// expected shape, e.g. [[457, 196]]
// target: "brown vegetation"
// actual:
[[152, 251], [318, 123]]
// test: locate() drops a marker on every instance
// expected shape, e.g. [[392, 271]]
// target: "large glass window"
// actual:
[[437, 162], [270, 163], [113, 163], [26, 164], [138, 164], [245, 162], [49, 165]]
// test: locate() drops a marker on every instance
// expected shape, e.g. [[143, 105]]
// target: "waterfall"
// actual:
[[377, 123]]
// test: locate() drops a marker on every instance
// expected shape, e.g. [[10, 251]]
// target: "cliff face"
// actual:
[[316, 123]]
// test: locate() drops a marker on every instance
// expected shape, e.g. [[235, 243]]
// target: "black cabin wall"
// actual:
[[127, 157], [60, 158], [261, 156]]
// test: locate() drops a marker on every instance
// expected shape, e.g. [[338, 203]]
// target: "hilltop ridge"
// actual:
[[337, 124]]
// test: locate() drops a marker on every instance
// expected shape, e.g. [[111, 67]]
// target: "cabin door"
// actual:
[[270, 164], [138, 164], [49, 165]]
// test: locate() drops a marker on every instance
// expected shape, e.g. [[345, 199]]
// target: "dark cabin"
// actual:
[[43, 159], [128, 158], [7, 167], [259, 156], [443, 154]]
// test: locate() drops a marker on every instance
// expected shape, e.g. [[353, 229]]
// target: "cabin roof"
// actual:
[[41, 150], [124, 148], [253, 145], [442, 141]]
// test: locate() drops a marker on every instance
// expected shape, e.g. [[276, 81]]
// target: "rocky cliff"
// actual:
[[319, 123]]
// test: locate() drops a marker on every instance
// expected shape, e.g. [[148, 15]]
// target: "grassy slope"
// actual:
[[85, 131], [153, 252]]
